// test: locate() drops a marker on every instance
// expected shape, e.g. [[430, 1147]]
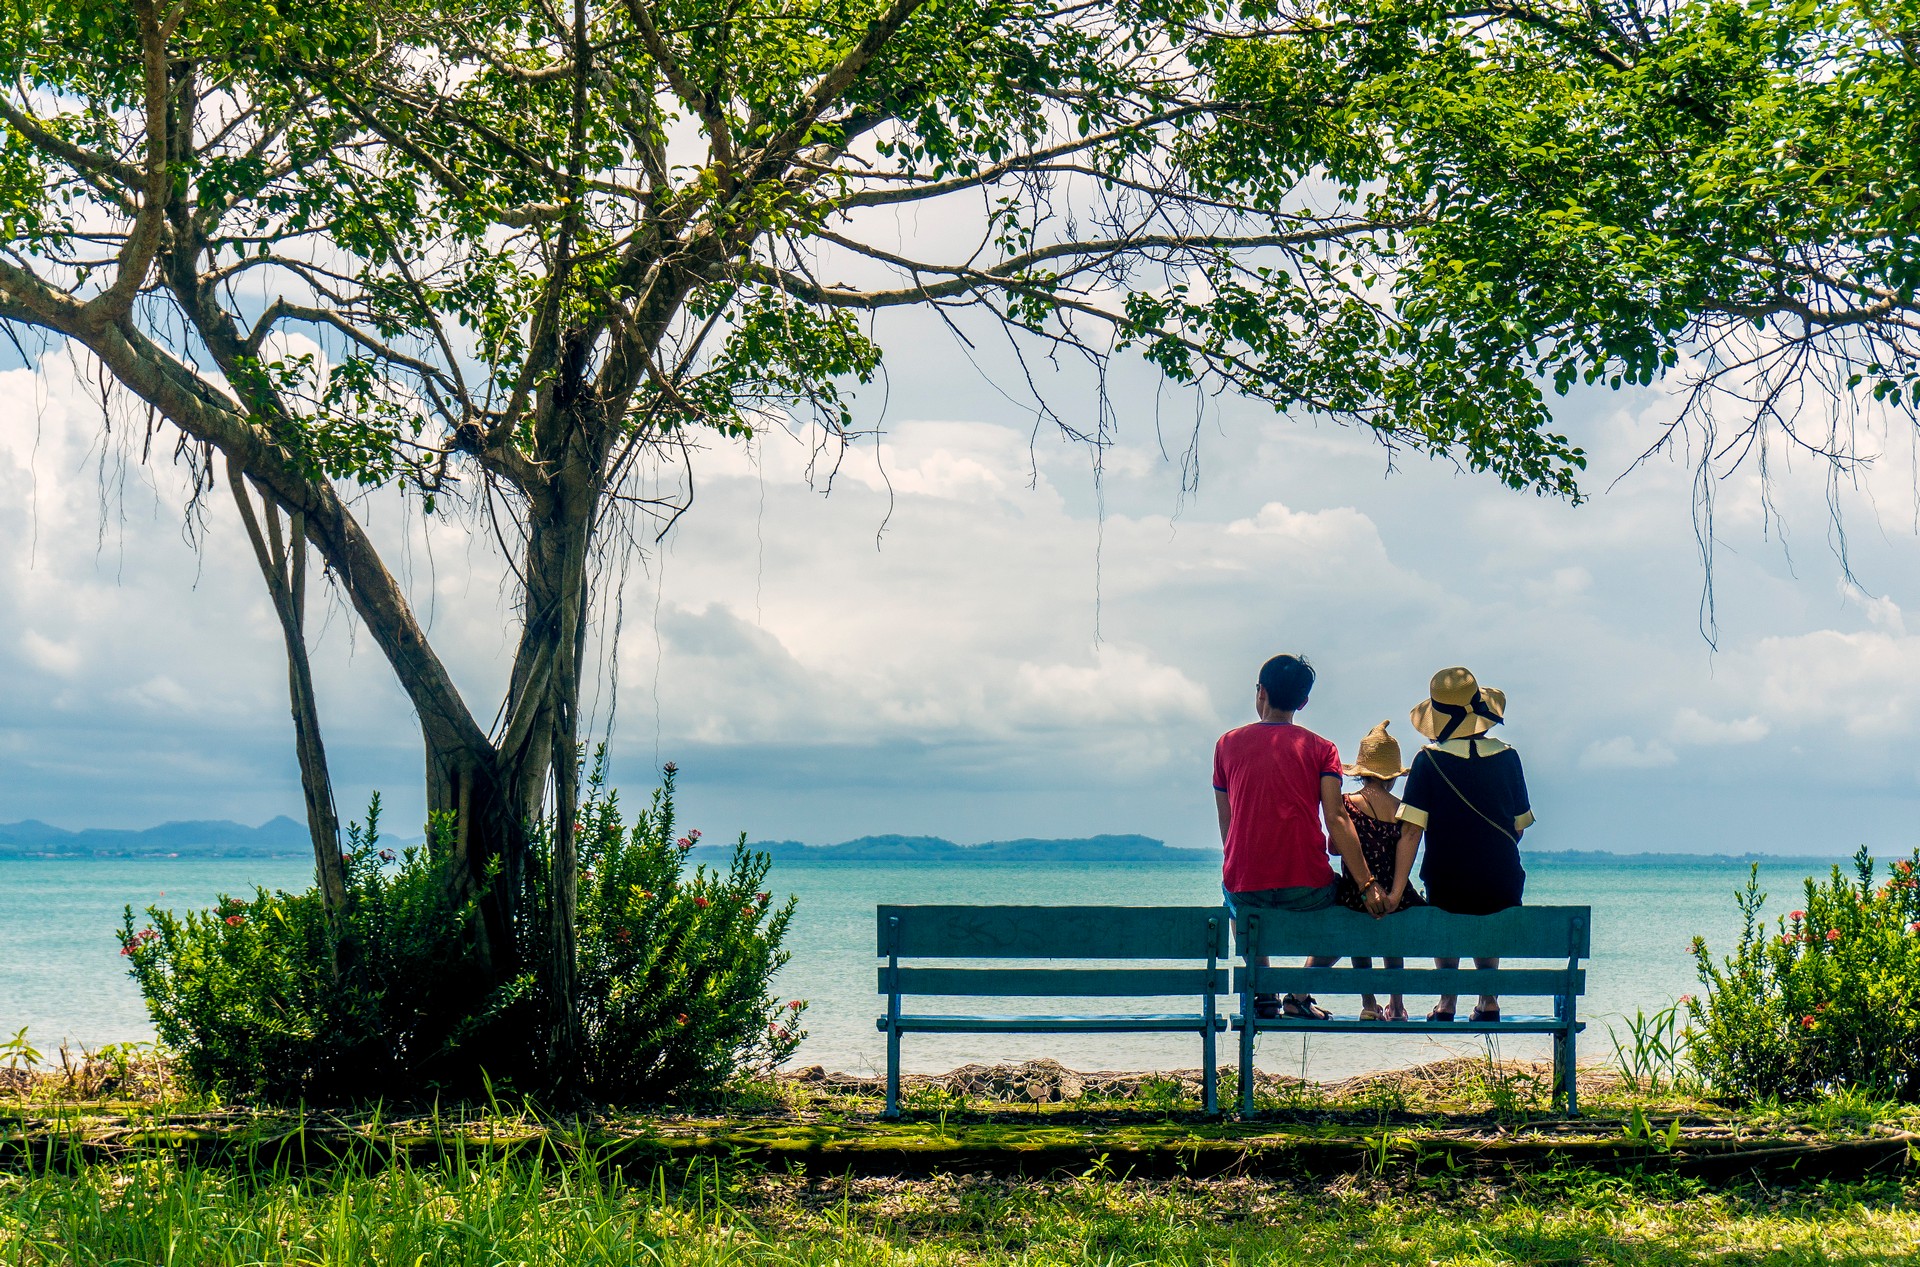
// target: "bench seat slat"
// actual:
[[1523, 982], [1507, 1024], [1058, 982], [1523, 932], [1142, 1024], [1041, 932]]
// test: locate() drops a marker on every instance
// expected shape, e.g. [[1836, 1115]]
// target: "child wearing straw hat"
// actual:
[[1374, 810], [1467, 796]]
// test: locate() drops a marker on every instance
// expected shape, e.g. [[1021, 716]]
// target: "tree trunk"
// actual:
[[542, 745], [282, 557]]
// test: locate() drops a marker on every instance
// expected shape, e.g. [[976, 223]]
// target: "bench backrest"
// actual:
[[1562, 934], [1520, 932], [1196, 934]]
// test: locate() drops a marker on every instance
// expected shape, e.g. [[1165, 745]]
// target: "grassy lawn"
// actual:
[[578, 1213], [596, 1190]]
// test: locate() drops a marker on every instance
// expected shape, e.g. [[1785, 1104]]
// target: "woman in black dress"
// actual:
[[1467, 796], [1373, 810]]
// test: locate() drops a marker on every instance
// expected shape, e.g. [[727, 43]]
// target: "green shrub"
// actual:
[[674, 968], [1828, 999], [251, 997], [264, 999]]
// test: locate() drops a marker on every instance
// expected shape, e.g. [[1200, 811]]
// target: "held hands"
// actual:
[[1378, 903]]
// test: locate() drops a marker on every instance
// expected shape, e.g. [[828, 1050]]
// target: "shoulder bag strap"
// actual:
[[1445, 778]]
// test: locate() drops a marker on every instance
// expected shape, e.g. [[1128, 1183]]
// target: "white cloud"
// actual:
[[1123, 686], [999, 634], [60, 658], [1691, 726], [1623, 752], [1867, 682]]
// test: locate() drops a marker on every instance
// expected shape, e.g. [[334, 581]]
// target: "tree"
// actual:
[[540, 247]]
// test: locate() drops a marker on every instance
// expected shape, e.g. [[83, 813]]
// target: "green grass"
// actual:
[[575, 1212]]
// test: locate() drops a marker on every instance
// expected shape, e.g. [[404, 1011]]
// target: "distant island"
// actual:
[[936, 849], [203, 839], [286, 837]]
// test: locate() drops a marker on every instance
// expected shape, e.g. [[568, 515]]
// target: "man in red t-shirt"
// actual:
[[1274, 783]]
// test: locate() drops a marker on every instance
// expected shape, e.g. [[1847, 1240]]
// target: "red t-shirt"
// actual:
[[1271, 775]]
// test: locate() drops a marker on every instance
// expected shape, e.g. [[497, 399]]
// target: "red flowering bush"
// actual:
[[1830, 1000], [675, 968]]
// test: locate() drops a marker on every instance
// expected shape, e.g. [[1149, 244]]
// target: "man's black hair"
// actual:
[[1289, 680]]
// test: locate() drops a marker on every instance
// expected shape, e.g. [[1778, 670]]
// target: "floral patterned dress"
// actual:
[[1380, 844]]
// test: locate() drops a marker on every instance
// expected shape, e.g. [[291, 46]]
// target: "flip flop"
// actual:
[[1439, 1016], [1372, 1014], [1486, 1014], [1396, 1014], [1302, 1007]]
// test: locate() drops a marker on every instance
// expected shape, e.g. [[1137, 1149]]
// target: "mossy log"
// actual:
[[1706, 1148]]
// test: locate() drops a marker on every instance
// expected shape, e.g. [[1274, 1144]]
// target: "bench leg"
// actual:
[[893, 1072], [1209, 1075], [1246, 1055], [1572, 1075]]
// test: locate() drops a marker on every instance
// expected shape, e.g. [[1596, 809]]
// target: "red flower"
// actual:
[[1916, 926], [778, 1033], [669, 768], [1796, 915], [1833, 934], [236, 920], [1806, 1022], [1820, 1007], [693, 833], [1686, 1000], [764, 898], [126, 950], [623, 937], [645, 894], [793, 1005], [1786, 939], [701, 902], [682, 1019]]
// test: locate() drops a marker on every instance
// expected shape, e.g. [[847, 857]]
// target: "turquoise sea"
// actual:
[[62, 977]]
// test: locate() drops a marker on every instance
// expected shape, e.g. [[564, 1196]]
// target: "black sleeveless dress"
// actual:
[[1380, 845]]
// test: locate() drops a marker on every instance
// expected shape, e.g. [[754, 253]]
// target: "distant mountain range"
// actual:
[[286, 837], [209, 839], [935, 849]]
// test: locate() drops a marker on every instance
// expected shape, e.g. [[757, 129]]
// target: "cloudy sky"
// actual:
[[966, 637]]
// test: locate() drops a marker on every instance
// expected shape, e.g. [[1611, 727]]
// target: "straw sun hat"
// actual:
[[1458, 707], [1379, 757]]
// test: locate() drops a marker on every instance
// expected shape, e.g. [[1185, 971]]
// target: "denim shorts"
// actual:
[[1303, 897]]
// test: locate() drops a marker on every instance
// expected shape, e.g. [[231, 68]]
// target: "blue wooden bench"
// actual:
[[1558, 933], [1193, 939]]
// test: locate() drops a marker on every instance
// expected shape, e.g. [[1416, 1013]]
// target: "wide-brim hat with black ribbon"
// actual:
[[1458, 707], [1379, 757]]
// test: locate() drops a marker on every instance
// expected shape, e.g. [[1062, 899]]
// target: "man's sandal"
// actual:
[[1302, 1007], [1440, 1016], [1266, 1007], [1486, 1013]]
